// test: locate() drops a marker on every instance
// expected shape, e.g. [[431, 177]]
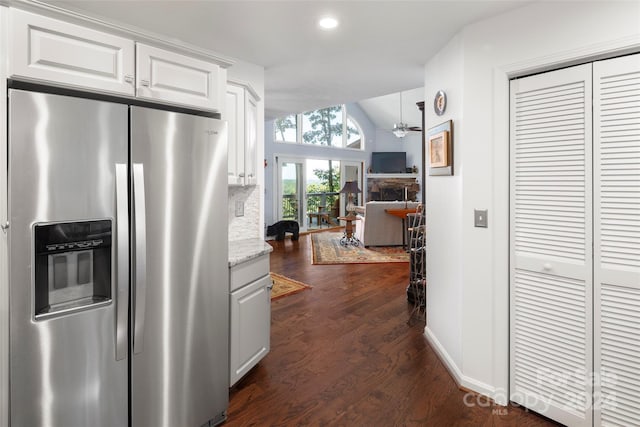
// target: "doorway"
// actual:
[[309, 190], [291, 190]]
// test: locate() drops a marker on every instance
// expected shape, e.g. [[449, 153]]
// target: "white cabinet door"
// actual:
[[250, 139], [178, 79], [250, 326], [235, 117], [241, 112], [46, 49]]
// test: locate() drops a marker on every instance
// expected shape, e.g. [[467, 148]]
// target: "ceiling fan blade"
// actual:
[[415, 128]]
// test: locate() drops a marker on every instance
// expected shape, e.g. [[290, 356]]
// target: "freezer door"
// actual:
[[180, 315], [63, 236]]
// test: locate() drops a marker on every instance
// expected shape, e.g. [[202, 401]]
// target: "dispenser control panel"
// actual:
[[72, 266]]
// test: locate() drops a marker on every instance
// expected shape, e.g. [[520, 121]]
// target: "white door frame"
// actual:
[[302, 198]]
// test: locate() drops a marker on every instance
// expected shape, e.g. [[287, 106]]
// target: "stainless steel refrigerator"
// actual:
[[118, 267]]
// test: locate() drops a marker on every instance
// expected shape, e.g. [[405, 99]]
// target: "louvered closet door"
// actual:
[[616, 85], [551, 235]]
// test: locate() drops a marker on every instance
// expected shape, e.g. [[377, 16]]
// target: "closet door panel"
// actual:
[[551, 244], [616, 85]]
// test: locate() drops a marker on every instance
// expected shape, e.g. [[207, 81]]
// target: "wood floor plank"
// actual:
[[343, 354]]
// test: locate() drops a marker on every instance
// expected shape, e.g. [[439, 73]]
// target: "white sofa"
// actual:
[[376, 227]]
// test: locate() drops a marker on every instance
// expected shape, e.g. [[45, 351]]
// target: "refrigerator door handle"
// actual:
[[140, 257], [122, 260]]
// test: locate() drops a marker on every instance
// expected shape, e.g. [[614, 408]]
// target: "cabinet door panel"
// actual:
[[250, 326], [235, 117], [55, 51], [241, 112], [171, 77], [251, 139]]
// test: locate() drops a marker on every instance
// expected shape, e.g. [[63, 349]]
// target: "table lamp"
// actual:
[[350, 188]]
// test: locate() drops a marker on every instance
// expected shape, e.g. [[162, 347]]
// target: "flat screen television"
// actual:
[[389, 162]]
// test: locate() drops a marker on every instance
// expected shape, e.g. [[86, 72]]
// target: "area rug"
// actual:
[[328, 250], [283, 286]]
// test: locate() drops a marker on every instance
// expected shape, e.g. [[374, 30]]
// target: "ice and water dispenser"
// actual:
[[72, 266]]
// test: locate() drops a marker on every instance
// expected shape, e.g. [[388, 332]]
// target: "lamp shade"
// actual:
[[350, 187]]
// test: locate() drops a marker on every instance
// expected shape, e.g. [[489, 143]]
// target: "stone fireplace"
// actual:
[[390, 187]]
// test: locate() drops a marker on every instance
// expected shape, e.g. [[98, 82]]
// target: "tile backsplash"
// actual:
[[246, 226]]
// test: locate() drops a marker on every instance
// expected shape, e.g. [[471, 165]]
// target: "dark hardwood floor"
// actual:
[[343, 354]]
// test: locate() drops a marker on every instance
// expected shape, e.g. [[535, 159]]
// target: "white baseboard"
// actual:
[[462, 380], [453, 369]]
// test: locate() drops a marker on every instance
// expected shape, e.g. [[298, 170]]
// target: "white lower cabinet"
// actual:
[[250, 316]]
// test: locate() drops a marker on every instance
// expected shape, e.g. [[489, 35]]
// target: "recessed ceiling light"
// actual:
[[328, 23]]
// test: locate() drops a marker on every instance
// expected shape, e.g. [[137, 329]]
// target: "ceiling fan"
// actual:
[[401, 129]]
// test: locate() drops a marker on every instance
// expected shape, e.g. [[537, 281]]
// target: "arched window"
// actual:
[[330, 126]]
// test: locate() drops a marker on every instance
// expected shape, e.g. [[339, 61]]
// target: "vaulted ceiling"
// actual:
[[378, 48]]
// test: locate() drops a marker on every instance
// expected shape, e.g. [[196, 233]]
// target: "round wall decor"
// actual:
[[440, 102]]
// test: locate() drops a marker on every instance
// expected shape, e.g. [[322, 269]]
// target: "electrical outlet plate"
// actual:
[[481, 218], [239, 208]]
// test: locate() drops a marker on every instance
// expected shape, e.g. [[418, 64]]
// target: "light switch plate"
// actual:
[[481, 218], [239, 208]]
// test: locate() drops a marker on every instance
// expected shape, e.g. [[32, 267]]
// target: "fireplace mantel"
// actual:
[[392, 186], [392, 175]]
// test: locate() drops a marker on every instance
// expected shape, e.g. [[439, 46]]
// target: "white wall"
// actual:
[[443, 208], [533, 38], [385, 140], [410, 144]]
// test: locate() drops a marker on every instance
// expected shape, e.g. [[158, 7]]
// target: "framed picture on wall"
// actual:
[[439, 149]]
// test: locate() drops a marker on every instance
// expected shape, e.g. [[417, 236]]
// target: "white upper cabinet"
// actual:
[[234, 115], [178, 79], [47, 49], [241, 113], [251, 139], [50, 51]]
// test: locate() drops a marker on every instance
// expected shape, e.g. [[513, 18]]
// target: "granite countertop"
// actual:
[[244, 250]]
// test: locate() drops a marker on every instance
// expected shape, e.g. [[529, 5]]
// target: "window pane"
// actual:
[[354, 138], [285, 129], [323, 127]]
